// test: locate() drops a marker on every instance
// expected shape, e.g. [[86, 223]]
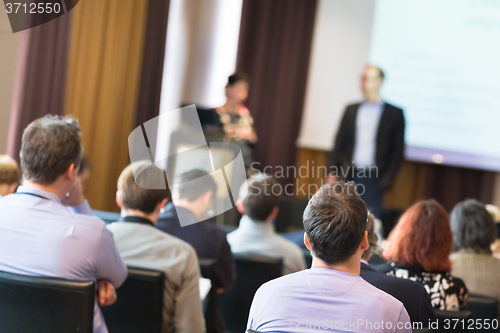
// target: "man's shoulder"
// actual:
[[393, 108], [153, 234], [285, 281], [288, 247]]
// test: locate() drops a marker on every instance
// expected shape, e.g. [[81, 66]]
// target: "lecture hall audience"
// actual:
[[331, 292], [419, 248], [258, 202], [193, 198], [412, 294], [474, 231], [10, 175], [47, 227], [142, 245]]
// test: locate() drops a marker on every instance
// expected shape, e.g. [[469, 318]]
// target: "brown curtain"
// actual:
[[152, 64], [449, 185], [104, 71], [273, 48], [40, 77]]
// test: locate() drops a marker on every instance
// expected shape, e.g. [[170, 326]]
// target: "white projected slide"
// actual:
[[442, 60]]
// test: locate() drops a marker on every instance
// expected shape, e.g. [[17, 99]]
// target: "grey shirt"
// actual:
[[143, 245], [259, 237]]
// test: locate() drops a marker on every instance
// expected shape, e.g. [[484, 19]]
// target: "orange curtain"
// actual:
[[105, 61]]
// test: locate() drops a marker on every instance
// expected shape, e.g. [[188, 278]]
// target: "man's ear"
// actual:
[[239, 206], [72, 171], [207, 197], [364, 242], [274, 213], [161, 204], [119, 201], [306, 241]]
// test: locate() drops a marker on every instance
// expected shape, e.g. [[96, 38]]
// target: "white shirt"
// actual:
[[260, 238], [365, 143], [142, 245]]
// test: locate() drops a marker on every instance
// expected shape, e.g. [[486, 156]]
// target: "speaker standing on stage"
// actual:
[[370, 135]]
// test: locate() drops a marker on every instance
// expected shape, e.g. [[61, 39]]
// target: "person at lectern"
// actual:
[[232, 121], [369, 146]]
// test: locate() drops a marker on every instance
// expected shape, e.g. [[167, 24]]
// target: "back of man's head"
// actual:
[[259, 196], [372, 237], [335, 221], [50, 145], [132, 195], [195, 183], [10, 175], [9, 170]]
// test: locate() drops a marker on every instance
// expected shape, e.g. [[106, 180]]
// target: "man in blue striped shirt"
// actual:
[[47, 227]]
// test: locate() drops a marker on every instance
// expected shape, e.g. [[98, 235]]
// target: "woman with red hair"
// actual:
[[419, 249]]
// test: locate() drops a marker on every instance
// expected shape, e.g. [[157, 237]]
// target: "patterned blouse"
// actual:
[[447, 292]]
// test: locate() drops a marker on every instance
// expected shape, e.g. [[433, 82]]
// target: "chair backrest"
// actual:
[[453, 321], [44, 305], [484, 308], [251, 272], [210, 304], [107, 217], [290, 214], [139, 305], [422, 330]]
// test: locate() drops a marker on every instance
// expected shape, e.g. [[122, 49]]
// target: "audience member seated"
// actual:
[[193, 200], [474, 231], [495, 213], [259, 206], [39, 234], [412, 294], [10, 175], [419, 247], [331, 295], [142, 245]]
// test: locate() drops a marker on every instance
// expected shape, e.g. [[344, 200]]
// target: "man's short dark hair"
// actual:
[[335, 221], [192, 190], [132, 191], [50, 145], [473, 226], [261, 196]]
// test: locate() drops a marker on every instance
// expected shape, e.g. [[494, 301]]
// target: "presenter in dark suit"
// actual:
[[369, 146], [412, 294]]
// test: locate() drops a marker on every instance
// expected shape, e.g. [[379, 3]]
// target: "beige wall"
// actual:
[[9, 45]]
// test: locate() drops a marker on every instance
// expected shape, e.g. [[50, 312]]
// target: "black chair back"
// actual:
[[139, 305], [290, 214], [485, 309], [210, 303], [45, 305], [453, 321], [107, 217], [251, 272], [422, 330]]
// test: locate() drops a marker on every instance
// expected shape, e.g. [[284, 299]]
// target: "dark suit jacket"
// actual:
[[210, 242], [389, 146], [412, 294]]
